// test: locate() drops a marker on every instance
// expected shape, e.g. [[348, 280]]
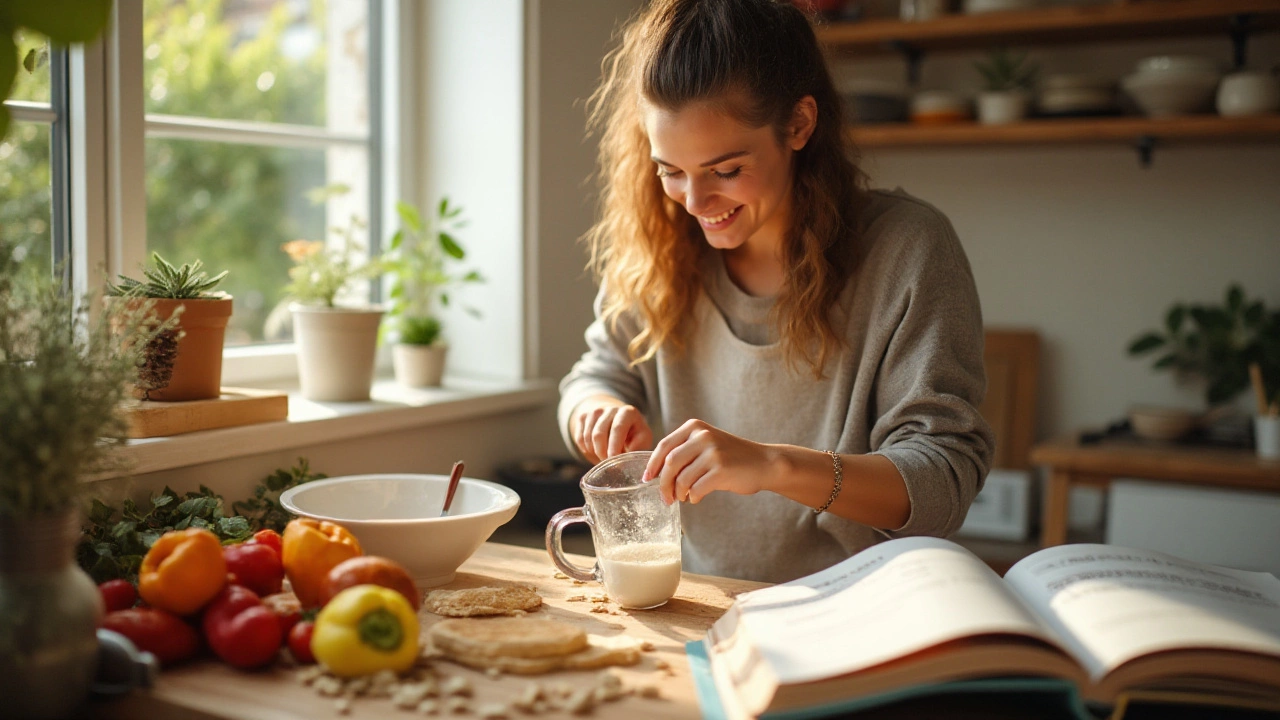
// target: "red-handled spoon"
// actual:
[[454, 476]]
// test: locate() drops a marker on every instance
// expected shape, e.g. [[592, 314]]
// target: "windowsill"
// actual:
[[391, 408]]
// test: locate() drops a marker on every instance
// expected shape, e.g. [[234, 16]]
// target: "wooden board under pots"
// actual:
[[236, 406]]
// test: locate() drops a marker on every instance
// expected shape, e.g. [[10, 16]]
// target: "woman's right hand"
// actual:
[[605, 426]]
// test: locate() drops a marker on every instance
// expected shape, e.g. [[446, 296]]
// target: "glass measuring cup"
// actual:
[[636, 536]]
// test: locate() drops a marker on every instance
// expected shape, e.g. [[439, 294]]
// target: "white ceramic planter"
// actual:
[[1266, 436], [419, 365], [336, 348], [1002, 108]]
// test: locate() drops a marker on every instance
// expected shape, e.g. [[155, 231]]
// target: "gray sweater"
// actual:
[[905, 385]]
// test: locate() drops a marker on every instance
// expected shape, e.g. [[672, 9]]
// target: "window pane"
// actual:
[[26, 204], [31, 85], [259, 60], [234, 206]]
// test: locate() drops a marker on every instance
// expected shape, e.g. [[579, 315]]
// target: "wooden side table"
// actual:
[[1095, 465]]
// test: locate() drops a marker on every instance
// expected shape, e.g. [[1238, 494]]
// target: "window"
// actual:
[[251, 104], [29, 156]]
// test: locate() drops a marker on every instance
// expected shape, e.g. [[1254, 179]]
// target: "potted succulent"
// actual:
[[63, 373], [184, 363], [336, 344], [1008, 78], [1231, 347], [416, 261]]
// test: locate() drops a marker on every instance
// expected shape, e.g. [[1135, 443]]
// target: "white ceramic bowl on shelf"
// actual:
[[1162, 94], [398, 517]]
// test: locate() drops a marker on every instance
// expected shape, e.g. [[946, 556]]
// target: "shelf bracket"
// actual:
[[913, 56], [1239, 26], [1145, 145]]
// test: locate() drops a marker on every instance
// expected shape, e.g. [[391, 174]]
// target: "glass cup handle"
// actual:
[[555, 549]]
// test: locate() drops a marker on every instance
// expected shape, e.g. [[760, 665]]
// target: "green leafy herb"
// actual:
[[114, 541], [263, 510]]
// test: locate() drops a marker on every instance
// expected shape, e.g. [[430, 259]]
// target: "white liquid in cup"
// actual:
[[641, 575]]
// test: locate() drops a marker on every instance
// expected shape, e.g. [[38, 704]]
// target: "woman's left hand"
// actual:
[[698, 459]]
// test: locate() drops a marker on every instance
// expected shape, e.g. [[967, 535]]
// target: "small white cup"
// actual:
[[1266, 436], [1248, 93]]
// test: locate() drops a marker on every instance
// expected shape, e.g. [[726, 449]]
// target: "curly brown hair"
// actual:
[[645, 248]]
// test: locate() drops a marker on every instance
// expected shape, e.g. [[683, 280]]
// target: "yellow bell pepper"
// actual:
[[311, 548], [182, 571], [364, 629]]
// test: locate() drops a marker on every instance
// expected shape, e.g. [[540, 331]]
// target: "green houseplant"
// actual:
[[1217, 343], [1008, 78], [184, 363], [63, 372], [336, 343], [417, 262]]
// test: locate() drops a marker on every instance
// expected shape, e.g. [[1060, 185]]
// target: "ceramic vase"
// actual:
[[1266, 436], [336, 350], [49, 612], [418, 366]]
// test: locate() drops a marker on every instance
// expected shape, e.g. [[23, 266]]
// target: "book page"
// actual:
[[1114, 604], [887, 601]]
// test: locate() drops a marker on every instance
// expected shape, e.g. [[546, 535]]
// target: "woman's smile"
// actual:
[[719, 222]]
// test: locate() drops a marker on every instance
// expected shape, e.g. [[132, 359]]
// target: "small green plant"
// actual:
[[1004, 70], [321, 272], [417, 261], [63, 372], [1218, 344], [164, 281]]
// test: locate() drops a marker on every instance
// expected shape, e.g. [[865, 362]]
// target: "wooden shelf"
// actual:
[[1124, 20], [1075, 130]]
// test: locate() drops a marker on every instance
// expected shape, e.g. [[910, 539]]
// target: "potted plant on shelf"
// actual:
[[336, 344], [63, 373], [416, 261], [1230, 346], [184, 363], [1008, 79]]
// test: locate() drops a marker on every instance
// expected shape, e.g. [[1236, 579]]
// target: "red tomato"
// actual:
[[240, 629], [287, 609], [255, 566], [118, 595], [300, 642], [270, 538], [160, 633]]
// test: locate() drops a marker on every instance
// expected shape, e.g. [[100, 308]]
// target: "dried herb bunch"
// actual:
[[62, 373]]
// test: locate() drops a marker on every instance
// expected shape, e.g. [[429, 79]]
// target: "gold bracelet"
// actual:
[[835, 460]]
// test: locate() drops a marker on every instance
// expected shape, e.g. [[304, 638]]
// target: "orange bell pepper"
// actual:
[[182, 571], [311, 549]]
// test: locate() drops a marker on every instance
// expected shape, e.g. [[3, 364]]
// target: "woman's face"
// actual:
[[734, 179]]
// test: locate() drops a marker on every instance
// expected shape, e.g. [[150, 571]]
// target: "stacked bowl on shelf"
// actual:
[[1172, 85], [1076, 95]]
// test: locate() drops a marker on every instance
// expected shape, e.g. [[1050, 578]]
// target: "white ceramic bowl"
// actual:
[[397, 517], [1168, 94], [1161, 423]]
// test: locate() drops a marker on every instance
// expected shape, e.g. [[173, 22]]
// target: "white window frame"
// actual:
[[109, 127]]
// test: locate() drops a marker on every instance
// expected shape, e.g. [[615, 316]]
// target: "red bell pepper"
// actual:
[[270, 538], [240, 629], [160, 633]]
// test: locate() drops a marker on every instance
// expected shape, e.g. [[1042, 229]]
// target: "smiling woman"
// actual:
[[770, 322]]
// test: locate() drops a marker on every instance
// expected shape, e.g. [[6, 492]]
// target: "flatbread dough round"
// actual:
[[510, 600], [506, 637]]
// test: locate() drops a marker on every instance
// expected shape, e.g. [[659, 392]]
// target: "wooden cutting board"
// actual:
[[211, 690], [236, 406]]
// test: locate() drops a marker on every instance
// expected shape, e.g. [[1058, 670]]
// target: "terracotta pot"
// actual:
[[49, 613], [419, 365], [336, 349], [197, 367]]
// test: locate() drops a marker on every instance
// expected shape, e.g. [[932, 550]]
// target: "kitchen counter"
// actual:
[[210, 689]]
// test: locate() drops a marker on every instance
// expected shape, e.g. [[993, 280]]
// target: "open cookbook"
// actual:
[[912, 615]]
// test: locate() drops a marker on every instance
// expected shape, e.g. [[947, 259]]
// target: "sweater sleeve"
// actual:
[[603, 369], [931, 377]]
